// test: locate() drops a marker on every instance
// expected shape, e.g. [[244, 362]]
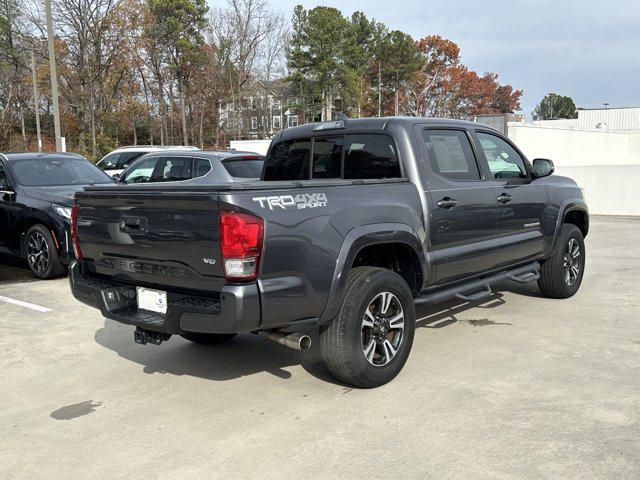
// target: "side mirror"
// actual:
[[542, 167], [116, 176]]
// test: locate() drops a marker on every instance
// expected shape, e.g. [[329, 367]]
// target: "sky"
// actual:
[[586, 49]]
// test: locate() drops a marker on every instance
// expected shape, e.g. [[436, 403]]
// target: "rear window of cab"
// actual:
[[357, 156]]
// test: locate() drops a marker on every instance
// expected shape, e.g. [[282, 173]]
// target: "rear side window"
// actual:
[[127, 159], [110, 162], [289, 160], [201, 167], [450, 154], [244, 167], [170, 169], [370, 156]]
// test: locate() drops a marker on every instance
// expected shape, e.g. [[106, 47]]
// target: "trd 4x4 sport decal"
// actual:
[[298, 201]]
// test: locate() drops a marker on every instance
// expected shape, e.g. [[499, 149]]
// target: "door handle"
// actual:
[[447, 203], [505, 198]]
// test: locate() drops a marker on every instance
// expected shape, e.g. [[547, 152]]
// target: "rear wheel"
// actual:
[[208, 338], [561, 274], [41, 254], [369, 341]]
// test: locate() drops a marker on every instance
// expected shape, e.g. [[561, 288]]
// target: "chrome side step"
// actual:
[[480, 289]]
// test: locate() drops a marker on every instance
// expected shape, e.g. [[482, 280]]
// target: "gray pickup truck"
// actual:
[[352, 224]]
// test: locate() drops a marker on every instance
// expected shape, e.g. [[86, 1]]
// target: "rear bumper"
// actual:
[[235, 309]]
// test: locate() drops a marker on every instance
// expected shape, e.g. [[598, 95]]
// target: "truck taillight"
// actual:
[[74, 232], [241, 238]]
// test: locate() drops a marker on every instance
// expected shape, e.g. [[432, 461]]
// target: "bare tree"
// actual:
[[241, 34]]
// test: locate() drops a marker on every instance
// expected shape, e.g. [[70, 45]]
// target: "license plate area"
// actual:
[[151, 300]]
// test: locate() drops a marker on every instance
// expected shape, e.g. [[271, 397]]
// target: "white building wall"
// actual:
[[605, 164], [612, 119]]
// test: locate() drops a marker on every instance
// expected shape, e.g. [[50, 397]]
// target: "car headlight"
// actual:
[[64, 212]]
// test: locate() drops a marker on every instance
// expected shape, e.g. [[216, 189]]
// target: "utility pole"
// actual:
[[60, 141], [36, 101]]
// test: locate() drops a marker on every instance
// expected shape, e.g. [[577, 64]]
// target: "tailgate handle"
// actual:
[[132, 224]]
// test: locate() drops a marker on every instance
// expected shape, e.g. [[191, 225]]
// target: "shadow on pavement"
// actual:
[[248, 354], [445, 314], [14, 270], [244, 355]]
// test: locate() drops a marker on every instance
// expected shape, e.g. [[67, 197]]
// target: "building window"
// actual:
[[292, 121], [277, 124], [254, 123]]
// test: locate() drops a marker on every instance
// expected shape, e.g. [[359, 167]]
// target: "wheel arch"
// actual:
[[386, 245], [573, 211], [27, 223]]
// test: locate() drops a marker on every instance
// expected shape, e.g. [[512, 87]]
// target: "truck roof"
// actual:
[[363, 124]]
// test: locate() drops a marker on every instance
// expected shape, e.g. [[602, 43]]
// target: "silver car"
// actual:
[[194, 167]]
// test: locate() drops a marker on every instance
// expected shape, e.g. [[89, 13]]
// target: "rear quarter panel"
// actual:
[[304, 238]]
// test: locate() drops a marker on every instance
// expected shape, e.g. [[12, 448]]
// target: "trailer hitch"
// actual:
[[143, 336]]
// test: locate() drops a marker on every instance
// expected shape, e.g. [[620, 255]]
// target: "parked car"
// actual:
[[36, 192], [195, 168], [356, 221], [116, 162]]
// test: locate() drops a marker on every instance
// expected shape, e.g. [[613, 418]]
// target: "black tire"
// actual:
[[553, 281], [343, 341], [46, 264], [208, 338]]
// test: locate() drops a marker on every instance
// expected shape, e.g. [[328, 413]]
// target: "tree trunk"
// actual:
[[379, 89], [397, 109], [162, 107], [93, 131], [360, 99], [92, 117], [24, 130], [202, 129], [183, 115]]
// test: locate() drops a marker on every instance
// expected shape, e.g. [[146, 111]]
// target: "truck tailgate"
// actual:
[[151, 238]]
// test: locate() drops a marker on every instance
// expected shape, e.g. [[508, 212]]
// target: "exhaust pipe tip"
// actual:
[[304, 342], [296, 341]]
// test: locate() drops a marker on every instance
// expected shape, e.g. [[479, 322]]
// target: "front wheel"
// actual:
[[561, 274], [369, 341], [41, 254]]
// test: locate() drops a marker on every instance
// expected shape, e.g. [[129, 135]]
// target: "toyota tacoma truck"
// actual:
[[352, 224]]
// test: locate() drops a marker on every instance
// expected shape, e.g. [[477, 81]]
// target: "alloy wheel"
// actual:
[[37, 252], [572, 262], [382, 329]]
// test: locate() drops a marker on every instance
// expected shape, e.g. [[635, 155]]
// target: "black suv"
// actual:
[[36, 195]]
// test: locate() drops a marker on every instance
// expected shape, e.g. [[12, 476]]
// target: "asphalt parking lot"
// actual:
[[519, 387]]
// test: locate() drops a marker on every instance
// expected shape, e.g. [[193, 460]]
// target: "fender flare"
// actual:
[[37, 218], [355, 240], [569, 205]]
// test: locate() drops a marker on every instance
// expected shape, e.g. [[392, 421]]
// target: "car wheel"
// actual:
[[41, 254], [208, 338], [369, 341], [561, 274]]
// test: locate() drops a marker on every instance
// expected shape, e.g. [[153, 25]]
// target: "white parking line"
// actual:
[[37, 308]]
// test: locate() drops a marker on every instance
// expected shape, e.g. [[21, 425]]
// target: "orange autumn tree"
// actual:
[[444, 87]]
